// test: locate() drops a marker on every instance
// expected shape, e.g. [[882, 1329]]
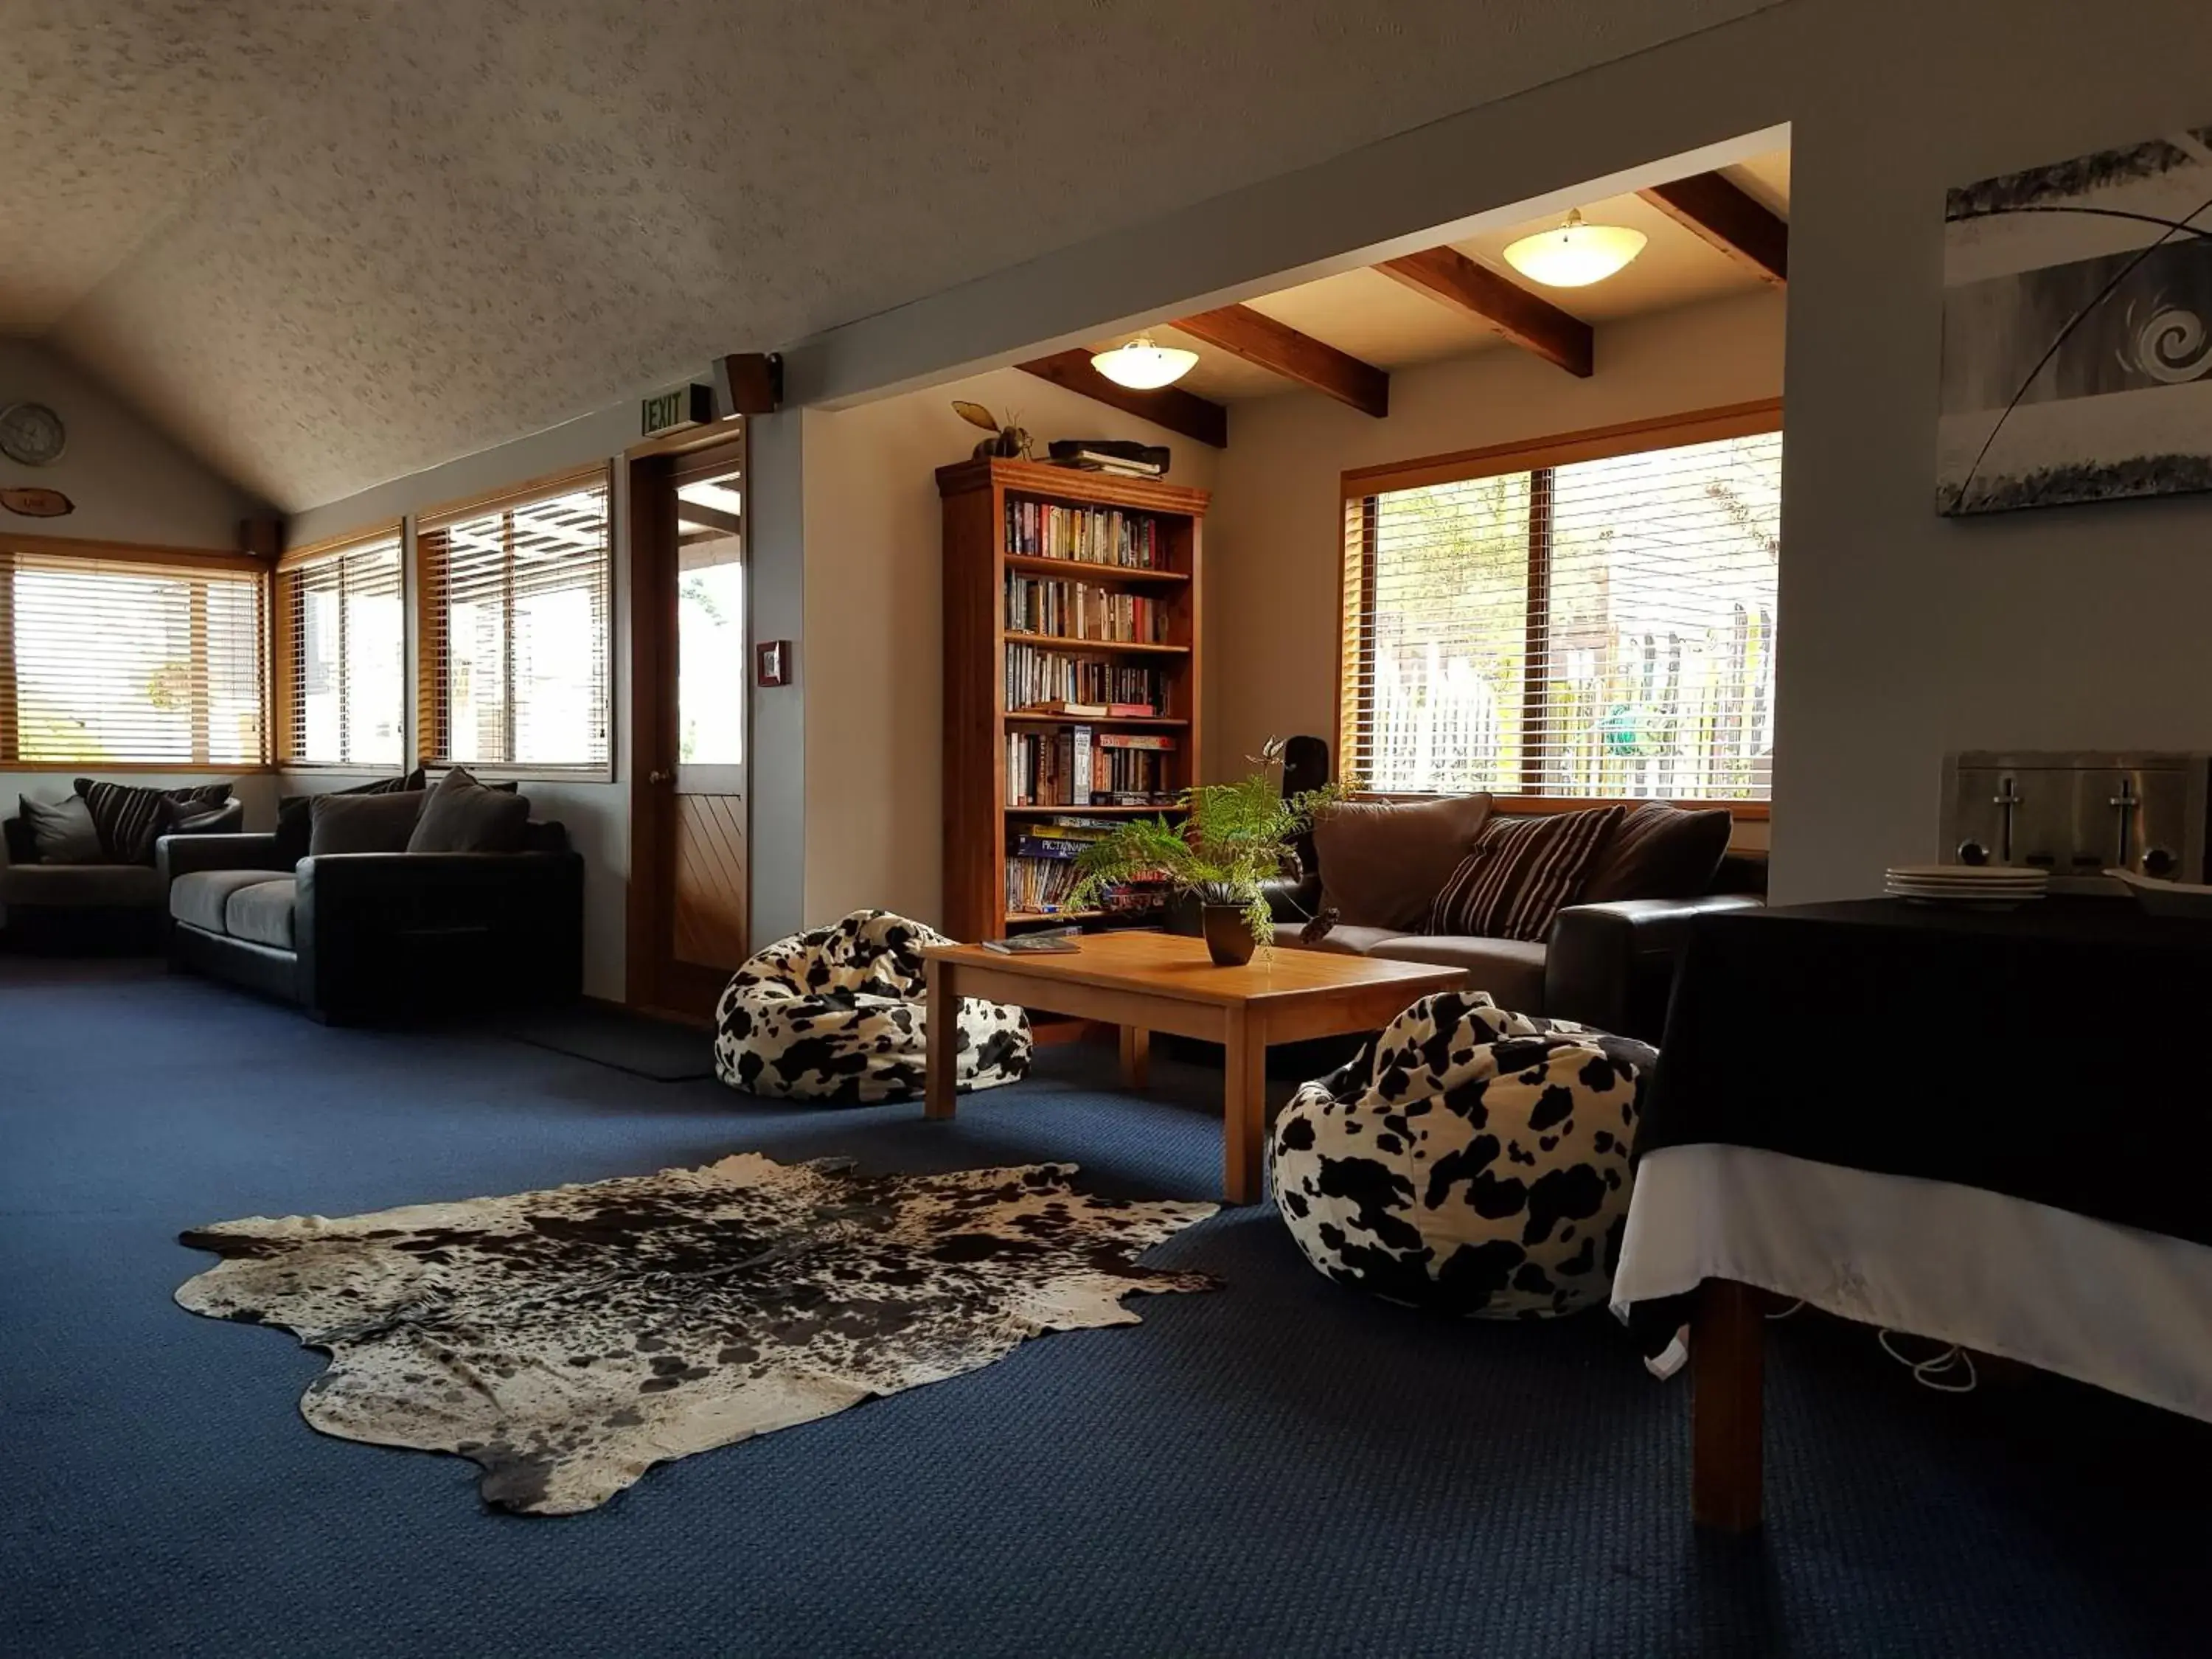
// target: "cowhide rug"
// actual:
[[567, 1340]]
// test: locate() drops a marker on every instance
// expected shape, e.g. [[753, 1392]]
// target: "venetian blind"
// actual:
[[515, 630], [122, 660], [343, 653], [1602, 628]]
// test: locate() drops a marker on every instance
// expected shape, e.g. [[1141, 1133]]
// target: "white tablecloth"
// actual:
[[2124, 1310]]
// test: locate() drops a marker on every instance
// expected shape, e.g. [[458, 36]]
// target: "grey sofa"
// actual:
[[74, 909], [362, 936]]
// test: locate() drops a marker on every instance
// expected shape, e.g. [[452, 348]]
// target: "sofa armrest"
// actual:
[[1293, 901], [1612, 965], [180, 855], [460, 930]]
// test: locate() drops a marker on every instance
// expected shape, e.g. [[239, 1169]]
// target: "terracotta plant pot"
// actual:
[[1229, 939]]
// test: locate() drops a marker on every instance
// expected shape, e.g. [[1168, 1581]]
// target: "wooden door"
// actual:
[[690, 668]]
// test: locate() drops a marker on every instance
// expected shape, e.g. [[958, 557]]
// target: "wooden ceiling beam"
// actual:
[[1726, 215], [1533, 323], [1170, 406], [1261, 340]]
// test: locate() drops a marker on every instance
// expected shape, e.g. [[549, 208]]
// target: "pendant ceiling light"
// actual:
[[1143, 366], [1576, 254]]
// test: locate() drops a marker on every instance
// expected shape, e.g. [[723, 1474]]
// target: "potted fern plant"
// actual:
[[1235, 838]]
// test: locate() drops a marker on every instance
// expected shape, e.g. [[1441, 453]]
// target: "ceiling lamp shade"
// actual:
[[1143, 366], [1576, 254]]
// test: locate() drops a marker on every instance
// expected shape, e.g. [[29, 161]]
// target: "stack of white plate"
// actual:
[[1964, 883]]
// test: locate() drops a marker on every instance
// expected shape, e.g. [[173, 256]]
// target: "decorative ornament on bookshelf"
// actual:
[[1007, 442]]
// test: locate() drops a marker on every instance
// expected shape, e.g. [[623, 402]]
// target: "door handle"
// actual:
[[659, 777]]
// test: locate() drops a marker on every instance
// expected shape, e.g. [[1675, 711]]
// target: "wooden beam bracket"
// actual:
[[1722, 212], [1170, 406], [1531, 322], [1260, 340]]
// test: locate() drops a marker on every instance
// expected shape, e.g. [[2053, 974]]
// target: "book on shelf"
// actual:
[[1074, 767], [1085, 535], [1040, 679], [1077, 611], [1133, 711]]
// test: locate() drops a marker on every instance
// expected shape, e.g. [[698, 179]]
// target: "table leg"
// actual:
[[943, 1025], [1727, 1368], [1244, 1105], [1136, 1056]]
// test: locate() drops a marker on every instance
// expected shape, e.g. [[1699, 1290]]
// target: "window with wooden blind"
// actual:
[[1589, 619], [516, 594], [126, 657], [342, 654]]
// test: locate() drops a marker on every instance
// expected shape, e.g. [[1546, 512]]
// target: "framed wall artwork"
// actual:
[[2077, 299]]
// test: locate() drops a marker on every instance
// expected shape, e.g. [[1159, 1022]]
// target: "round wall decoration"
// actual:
[[31, 435]]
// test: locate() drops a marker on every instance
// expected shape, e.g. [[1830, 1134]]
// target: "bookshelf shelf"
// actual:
[[1083, 570], [991, 508], [1044, 717], [1074, 646]]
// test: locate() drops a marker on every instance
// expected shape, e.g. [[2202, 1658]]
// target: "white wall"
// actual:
[[597, 815], [130, 482], [1275, 543], [1906, 634], [874, 591]]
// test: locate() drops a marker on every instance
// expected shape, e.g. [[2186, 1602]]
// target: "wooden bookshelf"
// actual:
[[982, 823]]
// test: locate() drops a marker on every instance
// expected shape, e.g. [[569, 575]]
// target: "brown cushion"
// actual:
[[1522, 871], [1511, 969], [86, 886], [1382, 862], [62, 831], [1659, 852], [1342, 940], [296, 813], [200, 899], [262, 913], [364, 823], [463, 816]]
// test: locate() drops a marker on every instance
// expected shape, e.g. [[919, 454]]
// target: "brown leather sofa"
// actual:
[[1609, 963]]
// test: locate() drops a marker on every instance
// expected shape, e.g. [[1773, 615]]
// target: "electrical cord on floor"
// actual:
[[1951, 1371]]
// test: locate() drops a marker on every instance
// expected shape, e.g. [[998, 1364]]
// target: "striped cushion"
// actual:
[[130, 818], [1521, 872]]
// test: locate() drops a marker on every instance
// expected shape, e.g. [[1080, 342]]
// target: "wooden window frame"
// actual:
[[152, 556], [432, 717], [284, 646], [1541, 458]]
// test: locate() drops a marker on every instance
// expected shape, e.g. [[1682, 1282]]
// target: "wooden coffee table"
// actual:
[[1146, 982]]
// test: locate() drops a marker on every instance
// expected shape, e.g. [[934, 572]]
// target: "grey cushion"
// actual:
[[1511, 970], [364, 823], [63, 830], [91, 886], [262, 913], [1345, 939], [200, 899], [463, 816]]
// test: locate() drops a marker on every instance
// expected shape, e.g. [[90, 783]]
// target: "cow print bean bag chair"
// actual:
[[837, 1014], [1470, 1160]]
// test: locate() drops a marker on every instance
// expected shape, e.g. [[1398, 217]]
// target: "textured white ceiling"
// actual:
[[329, 244]]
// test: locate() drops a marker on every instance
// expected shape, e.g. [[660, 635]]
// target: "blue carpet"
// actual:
[[1276, 1468]]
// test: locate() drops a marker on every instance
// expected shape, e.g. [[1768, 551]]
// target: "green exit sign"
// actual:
[[671, 411]]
